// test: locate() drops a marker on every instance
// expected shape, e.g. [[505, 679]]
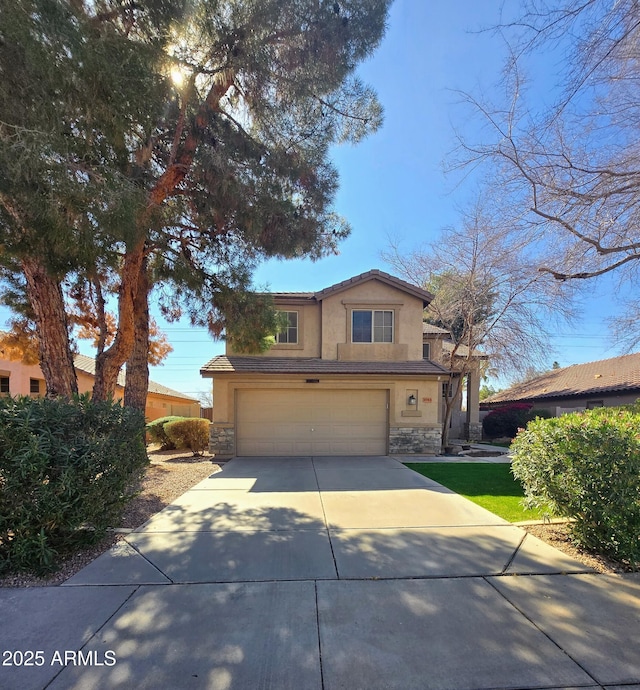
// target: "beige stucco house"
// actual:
[[17, 378], [347, 377]]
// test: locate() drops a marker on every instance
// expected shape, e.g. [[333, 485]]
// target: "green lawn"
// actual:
[[490, 485]]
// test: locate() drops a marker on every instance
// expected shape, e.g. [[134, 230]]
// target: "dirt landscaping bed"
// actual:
[[559, 536]]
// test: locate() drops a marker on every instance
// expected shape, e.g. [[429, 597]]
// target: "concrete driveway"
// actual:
[[325, 573]]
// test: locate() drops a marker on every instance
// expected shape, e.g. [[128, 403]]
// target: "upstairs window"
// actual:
[[371, 326], [426, 350], [290, 334]]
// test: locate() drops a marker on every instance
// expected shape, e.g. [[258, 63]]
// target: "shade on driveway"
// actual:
[[329, 573]]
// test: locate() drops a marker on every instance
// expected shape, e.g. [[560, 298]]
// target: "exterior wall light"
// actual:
[[411, 400]]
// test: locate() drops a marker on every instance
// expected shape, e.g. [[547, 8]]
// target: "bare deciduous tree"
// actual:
[[572, 168], [489, 296]]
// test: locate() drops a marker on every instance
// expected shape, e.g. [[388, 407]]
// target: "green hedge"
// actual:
[[191, 433], [156, 432], [506, 420], [586, 466], [67, 469]]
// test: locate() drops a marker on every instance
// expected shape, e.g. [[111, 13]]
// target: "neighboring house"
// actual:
[[606, 383], [21, 379], [347, 377], [438, 346]]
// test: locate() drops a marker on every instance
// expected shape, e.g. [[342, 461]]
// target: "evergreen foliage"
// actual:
[[67, 468], [191, 433], [185, 141], [586, 466], [156, 432], [508, 419]]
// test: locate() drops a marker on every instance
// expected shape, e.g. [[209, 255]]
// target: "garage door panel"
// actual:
[[304, 422]]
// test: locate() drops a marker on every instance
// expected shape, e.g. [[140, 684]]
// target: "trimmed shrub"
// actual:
[[535, 414], [586, 466], [67, 469], [506, 420], [157, 434], [191, 433]]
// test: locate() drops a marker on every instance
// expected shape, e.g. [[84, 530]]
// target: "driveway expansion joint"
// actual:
[[541, 630]]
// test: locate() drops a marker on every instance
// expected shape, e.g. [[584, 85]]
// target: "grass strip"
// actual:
[[490, 485]]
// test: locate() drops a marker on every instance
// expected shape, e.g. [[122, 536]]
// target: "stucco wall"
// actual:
[[157, 405], [20, 375], [308, 344], [336, 323]]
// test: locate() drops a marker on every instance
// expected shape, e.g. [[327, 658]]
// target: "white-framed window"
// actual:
[[290, 334], [426, 350], [372, 326]]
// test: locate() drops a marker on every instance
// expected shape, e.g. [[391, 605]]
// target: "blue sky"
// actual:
[[393, 182]]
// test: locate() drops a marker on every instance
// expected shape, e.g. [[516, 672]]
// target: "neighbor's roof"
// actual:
[[223, 364], [618, 374], [88, 366]]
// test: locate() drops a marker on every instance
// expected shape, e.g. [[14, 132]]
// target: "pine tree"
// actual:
[[217, 152]]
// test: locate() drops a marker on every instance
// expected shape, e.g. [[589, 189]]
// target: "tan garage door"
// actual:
[[311, 422]]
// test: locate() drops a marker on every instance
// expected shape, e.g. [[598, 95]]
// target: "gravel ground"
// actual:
[[559, 535], [170, 474]]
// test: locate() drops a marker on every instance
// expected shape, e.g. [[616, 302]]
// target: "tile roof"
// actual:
[[376, 274], [447, 343], [223, 364], [373, 274], [618, 374], [461, 350], [429, 328], [88, 366]]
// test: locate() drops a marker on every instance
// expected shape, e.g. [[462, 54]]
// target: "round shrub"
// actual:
[[67, 469], [157, 434], [191, 433], [506, 420], [586, 466], [536, 414]]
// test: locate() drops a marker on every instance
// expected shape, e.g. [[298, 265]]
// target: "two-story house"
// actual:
[[348, 376]]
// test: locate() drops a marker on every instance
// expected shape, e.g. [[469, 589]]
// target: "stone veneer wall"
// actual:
[[222, 440], [418, 440], [473, 431]]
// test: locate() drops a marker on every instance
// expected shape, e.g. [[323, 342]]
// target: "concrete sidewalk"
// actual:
[[325, 573]]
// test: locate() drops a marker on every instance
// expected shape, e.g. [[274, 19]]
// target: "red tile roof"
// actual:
[[618, 374], [285, 365]]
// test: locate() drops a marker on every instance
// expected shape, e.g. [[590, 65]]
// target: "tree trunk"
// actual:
[[450, 403], [137, 378], [47, 301], [109, 362]]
